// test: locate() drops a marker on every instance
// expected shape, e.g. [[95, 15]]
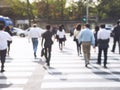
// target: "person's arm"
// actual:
[[42, 40], [9, 38], [93, 40], [80, 37]]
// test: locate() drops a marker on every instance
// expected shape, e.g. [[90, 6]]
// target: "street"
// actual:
[[67, 71]]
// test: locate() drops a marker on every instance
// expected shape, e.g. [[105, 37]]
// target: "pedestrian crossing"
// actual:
[[20, 66], [70, 73], [67, 71], [17, 73]]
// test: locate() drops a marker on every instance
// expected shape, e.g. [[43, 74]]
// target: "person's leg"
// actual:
[[60, 44], [8, 50], [119, 45], [105, 57], [49, 55], [35, 45], [80, 48], [99, 55], [114, 45], [46, 54], [85, 47], [3, 57], [77, 45], [88, 52]]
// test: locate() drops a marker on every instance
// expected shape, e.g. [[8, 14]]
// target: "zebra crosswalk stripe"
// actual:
[[17, 74], [70, 72]]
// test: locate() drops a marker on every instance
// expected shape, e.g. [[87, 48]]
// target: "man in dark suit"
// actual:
[[116, 37]]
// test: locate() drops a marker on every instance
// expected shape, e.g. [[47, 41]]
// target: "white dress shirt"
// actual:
[[4, 37], [103, 34], [35, 32]]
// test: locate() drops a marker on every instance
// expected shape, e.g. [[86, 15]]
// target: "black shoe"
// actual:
[[86, 65], [98, 63], [35, 55], [2, 70], [105, 66], [112, 51]]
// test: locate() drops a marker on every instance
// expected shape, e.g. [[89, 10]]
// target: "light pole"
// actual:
[[87, 11], [28, 12]]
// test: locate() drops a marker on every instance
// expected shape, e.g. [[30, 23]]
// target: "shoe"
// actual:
[[86, 65], [112, 51], [98, 63], [105, 66], [35, 55], [2, 70], [48, 64]]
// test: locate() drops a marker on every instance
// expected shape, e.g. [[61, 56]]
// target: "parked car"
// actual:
[[18, 32], [109, 27]]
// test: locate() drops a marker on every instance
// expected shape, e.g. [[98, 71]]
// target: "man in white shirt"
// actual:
[[103, 38], [4, 37], [34, 33]]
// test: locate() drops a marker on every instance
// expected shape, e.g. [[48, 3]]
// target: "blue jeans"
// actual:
[[35, 44]]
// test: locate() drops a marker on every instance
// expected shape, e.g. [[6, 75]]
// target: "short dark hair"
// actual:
[[60, 28], [102, 25], [87, 25], [1, 26], [48, 27]]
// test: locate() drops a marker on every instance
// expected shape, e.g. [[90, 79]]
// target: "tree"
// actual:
[[109, 9], [20, 8]]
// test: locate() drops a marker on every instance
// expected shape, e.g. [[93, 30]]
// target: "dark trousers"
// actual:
[[78, 47], [114, 44], [2, 57], [9, 43], [48, 54], [105, 55]]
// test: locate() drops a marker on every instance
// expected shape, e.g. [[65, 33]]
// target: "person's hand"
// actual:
[[94, 48]]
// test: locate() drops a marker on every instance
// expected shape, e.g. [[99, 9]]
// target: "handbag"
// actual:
[[42, 52], [74, 39]]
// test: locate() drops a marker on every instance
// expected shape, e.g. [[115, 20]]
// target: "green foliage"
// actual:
[[109, 9], [57, 10]]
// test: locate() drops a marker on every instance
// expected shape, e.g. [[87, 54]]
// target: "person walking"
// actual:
[[95, 35], [86, 37], [7, 29], [61, 37], [4, 37], [47, 41], [75, 34], [33, 34], [103, 38], [116, 37]]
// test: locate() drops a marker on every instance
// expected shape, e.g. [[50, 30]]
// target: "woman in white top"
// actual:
[[76, 33], [61, 37]]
